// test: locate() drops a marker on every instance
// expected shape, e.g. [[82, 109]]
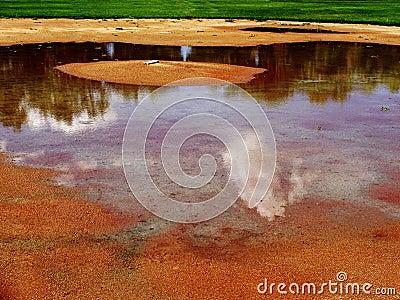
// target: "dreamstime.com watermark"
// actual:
[[180, 111], [340, 286]]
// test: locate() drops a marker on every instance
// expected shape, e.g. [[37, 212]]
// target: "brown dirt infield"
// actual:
[[56, 245], [164, 72], [192, 32]]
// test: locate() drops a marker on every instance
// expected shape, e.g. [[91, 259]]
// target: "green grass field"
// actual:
[[356, 11]]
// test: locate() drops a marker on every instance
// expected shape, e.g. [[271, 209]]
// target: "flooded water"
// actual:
[[334, 109]]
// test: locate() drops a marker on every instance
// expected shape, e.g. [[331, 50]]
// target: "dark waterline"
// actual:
[[291, 29]]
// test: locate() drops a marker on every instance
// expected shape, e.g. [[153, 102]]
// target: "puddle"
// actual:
[[334, 109]]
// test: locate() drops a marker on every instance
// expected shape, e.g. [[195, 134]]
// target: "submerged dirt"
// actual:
[[56, 245]]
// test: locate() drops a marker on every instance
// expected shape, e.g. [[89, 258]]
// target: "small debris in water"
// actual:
[[384, 108]]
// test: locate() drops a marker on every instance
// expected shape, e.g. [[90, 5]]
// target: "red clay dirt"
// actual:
[[191, 32], [158, 74], [389, 191], [56, 245], [313, 248]]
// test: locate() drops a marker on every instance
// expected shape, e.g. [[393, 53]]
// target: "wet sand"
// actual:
[[55, 245], [48, 232], [190, 32], [315, 241], [164, 72]]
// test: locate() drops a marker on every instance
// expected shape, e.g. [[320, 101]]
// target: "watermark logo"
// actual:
[[341, 276], [340, 286], [229, 137]]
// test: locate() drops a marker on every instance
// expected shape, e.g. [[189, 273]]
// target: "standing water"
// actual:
[[334, 109]]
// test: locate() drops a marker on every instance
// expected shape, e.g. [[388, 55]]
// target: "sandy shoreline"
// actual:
[[192, 32], [56, 245]]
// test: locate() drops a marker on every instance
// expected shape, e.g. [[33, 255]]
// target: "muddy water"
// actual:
[[334, 109]]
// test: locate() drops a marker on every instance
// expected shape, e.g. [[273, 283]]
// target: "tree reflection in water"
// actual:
[[323, 71]]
